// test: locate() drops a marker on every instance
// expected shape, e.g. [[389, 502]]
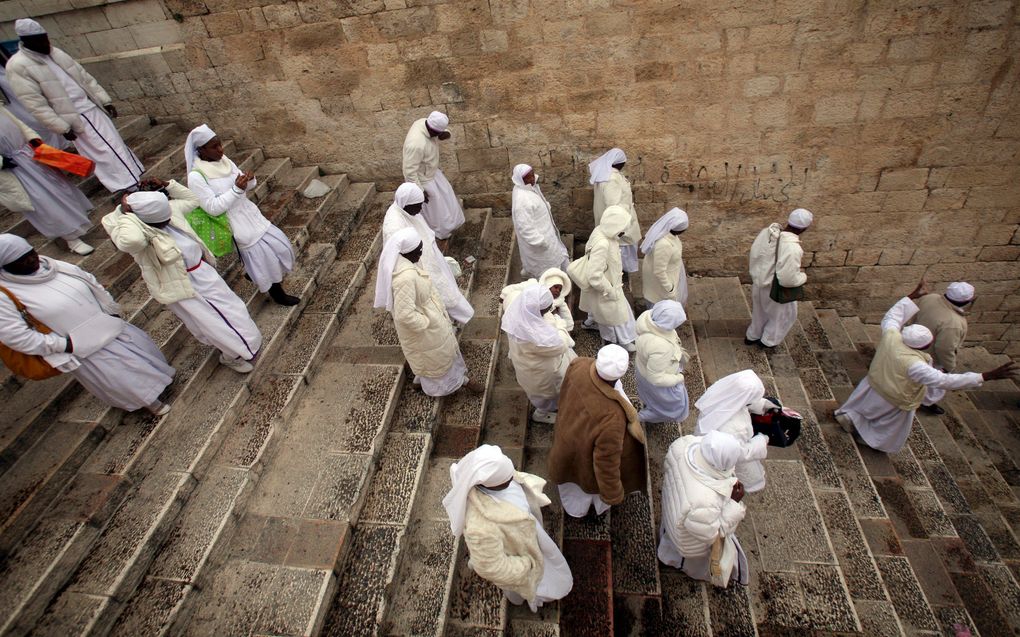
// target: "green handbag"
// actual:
[[778, 293], [214, 232]]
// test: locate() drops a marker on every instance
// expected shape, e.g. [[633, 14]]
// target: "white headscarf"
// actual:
[[555, 276], [611, 362], [668, 315], [517, 176], [725, 398], [800, 218], [437, 121], [199, 136], [408, 194], [602, 167], [614, 220], [675, 219], [720, 450], [916, 336], [485, 466], [12, 248], [28, 26], [150, 207], [523, 318], [402, 242], [960, 292]]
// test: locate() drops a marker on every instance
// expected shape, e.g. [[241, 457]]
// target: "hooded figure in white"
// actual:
[[613, 189], [663, 275], [771, 321], [559, 285], [727, 406], [604, 300], [660, 362], [701, 509], [538, 238], [405, 212], [499, 512], [420, 165]]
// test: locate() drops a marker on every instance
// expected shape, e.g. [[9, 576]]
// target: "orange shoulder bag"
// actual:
[[31, 366]]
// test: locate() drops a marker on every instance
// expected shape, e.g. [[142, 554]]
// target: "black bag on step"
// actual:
[[782, 426]]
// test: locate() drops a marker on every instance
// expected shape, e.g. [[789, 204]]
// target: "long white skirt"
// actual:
[[59, 208], [699, 568], [129, 373], [882, 425], [662, 404], [117, 167], [449, 382], [268, 260], [577, 503], [619, 334], [443, 212], [218, 317], [770, 321], [545, 404], [629, 256]]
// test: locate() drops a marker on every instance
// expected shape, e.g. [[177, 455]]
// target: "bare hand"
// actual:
[[124, 205], [243, 179], [1002, 371], [70, 136], [154, 183], [111, 109], [919, 291], [738, 492], [426, 193], [69, 347], [35, 143]]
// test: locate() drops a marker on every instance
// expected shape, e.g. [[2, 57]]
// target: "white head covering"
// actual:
[[916, 336], [675, 219], [199, 136], [402, 242], [408, 194], [12, 248], [437, 121], [960, 292], [523, 318], [602, 167], [611, 362], [720, 450], [800, 218], [615, 219], [555, 276], [151, 207], [518, 174], [668, 314], [28, 26], [725, 398], [486, 466]]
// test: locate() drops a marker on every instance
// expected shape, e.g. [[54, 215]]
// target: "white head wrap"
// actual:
[[402, 242], [916, 336], [437, 121], [800, 218], [675, 219], [408, 194], [720, 450], [668, 314], [555, 276], [150, 207], [611, 362], [28, 26], [486, 466], [615, 219], [523, 318], [518, 174], [12, 248], [199, 136], [725, 398], [960, 292], [602, 167]]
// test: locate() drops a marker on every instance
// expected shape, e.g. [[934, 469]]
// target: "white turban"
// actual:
[[523, 320], [960, 292], [602, 167], [916, 336], [611, 362], [408, 194], [725, 398], [615, 219], [485, 466], [800, 218], [150, 207], [721, 450], [675, 219], [28, 26], [199, 136], [668, 314], [437, 121], [518, 174], [401, 242], [12, 248]]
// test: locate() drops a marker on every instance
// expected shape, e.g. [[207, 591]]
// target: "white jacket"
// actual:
[[661, 270], [420, 155], [42, 93], [660, 357], [155, 251], [540, 370], [537, 236], [605, 299], [697, 506], [12, 193], [763, 258], [423, 326], [616, 192]]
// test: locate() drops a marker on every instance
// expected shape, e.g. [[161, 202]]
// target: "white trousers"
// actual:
[[770, 321]]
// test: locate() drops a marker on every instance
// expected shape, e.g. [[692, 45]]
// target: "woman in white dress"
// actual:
[[660, 362], [559, 286], [538, 238], [114, 360], [499, 512], [613, 189], [663, 275], [222, 188], [604, 300]]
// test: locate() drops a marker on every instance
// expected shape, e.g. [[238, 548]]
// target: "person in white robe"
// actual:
[[48, 200], [602, 295], [538, 238], [880, 411], [67, 100], [702, 508], [114, 360], [405, 212], [559, 286], [727, 406], [498, 510], [18, 109], [660, 362], [442, 210], [946, 316], [423, 326], [222, 189], [180, 272], [539, 350], [771, 321], [613, 189], [663, 275]]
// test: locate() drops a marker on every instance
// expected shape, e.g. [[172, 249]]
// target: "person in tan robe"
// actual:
[[945, 316]]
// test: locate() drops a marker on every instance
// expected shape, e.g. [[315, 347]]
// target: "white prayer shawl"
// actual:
[[601, 167], [486, 466], [727, 397], [674, 220], [538, 238], [401, 242], [522, 319], [12, 248], [199, 136]]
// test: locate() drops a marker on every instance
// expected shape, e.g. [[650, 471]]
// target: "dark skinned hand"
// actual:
[[426, 195], [70, 136], [69, 347], [242, 180], [8, 163], [1002, 371], [919, 291], [111, 109], [35, 143], [738, 492], [154, 183]]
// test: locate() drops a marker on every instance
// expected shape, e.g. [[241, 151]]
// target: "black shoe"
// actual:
[[280, 297], [933, 409], [749, 342]]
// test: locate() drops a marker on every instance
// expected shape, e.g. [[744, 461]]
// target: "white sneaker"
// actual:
[[78, 246], [547, 417], [239, 365], [162, 410], [845, 422], [630, 347]]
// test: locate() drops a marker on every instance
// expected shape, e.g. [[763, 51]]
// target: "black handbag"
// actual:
[[778, 293], [782, 426]]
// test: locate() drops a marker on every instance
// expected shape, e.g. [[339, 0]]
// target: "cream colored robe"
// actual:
[[661, 270], [616, 192], [605, 300], [540, 370], [948, 325], [659, 353], [423, 326]]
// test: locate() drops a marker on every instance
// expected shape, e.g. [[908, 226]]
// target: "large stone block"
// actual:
[[903, 179]]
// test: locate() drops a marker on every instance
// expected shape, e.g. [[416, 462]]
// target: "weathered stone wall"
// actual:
[[895, 121]]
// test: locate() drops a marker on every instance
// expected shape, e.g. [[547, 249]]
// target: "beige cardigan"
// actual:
[[42, 93], [12, 193]]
